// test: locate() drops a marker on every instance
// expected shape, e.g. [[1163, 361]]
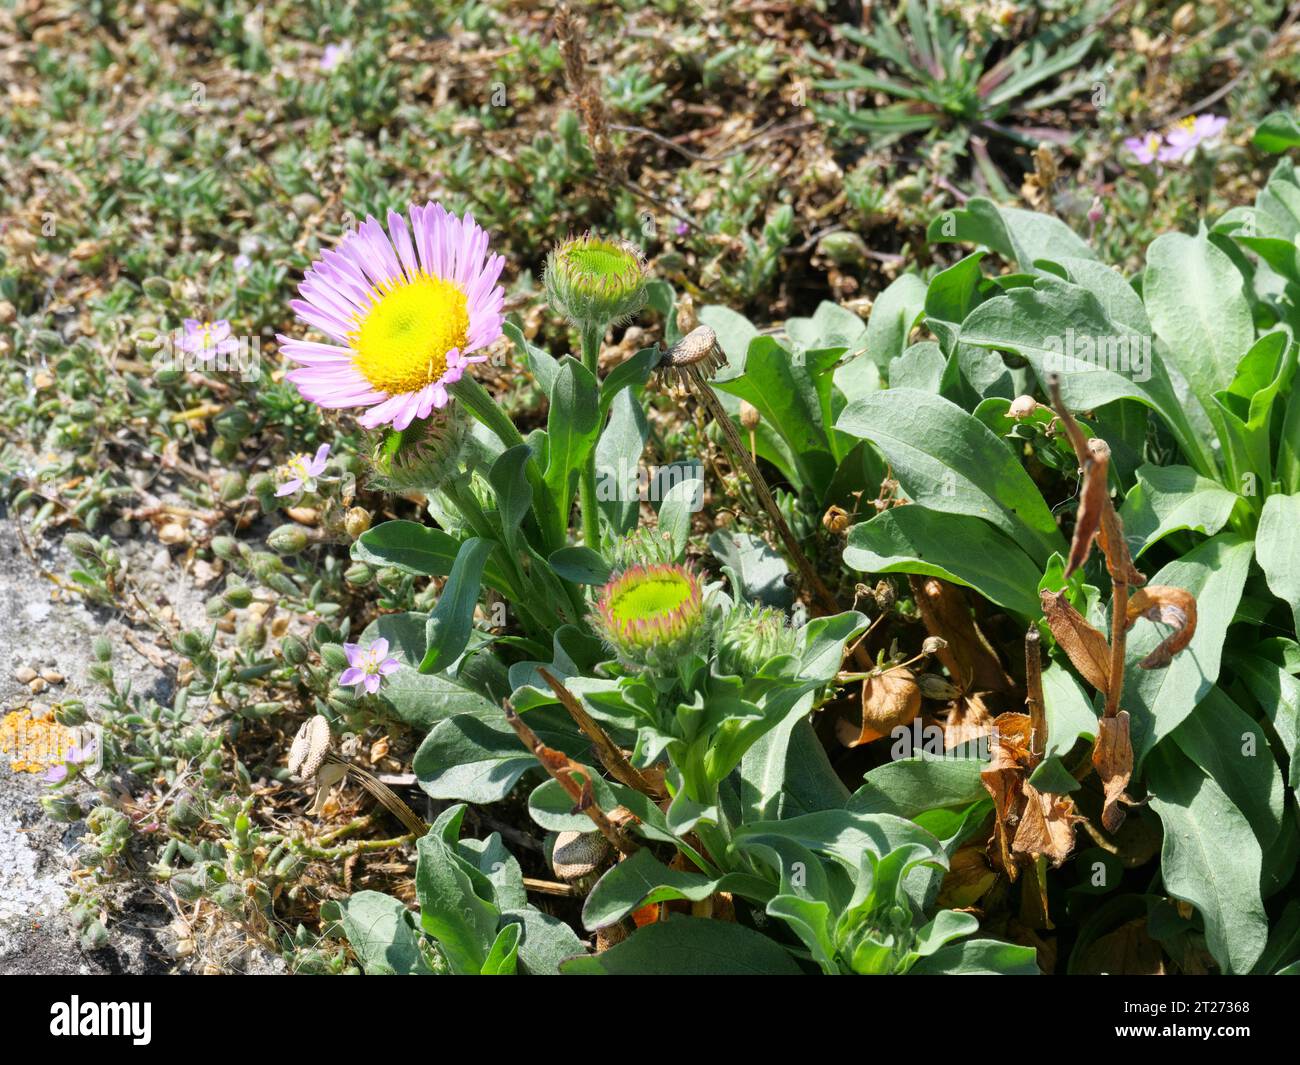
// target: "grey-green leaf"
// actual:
[[954, 547], [1195, 298], [1277, 546], [1169, 499], [950, 461], [452, 620], [1210, 857], [1159, 699], [689, 946], [382, 934]]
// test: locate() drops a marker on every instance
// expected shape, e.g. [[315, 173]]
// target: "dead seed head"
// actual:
[[310, 747], [698, 350]]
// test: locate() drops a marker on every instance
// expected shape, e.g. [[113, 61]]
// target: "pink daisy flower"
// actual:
[[1145, 149], [302, 470], [405, 309], [367, 669], [335, 54], [207, 340], [1189, 134]]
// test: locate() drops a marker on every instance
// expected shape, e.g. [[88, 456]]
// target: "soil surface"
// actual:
[[44, 629]]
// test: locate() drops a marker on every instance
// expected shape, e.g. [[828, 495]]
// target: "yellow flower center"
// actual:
[[400, 344], [650, 597]]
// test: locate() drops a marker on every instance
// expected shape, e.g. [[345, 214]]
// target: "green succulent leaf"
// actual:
[[689, 946]]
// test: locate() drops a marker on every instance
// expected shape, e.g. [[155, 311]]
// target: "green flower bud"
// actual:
[[288, 539], [261, 710], [843, 248], [423, 456], [333, 656], [596, 282], [238, 596], [71, 713], [652, 615], [169, 376], [191, 644], [251, 636], [95, 936], [229, 897], [102, 648], [232, 487], [225, 548], [233, 423], [752, 636], [261, 484], [184, 813], [224, 450], [47, 341], [358, 574], [290, 866], [62, 808], [81, 545], [265, 565], [187, 886], [157, 287], [294, 650], [83, 411]]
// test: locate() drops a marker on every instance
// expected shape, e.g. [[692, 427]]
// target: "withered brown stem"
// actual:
[[1118, 639], [611, 757], [740, 455], [549, 887], [1034, 697], [1118, 560], [386, 796], [562, 768]]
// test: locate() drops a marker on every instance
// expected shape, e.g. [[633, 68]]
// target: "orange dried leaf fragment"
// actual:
[[1086, 647], [1112, 757], [1167, 605]]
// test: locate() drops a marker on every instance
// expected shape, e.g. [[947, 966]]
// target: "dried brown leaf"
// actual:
[[1003, 778], [968, 879], [1119, 563], [969, 719], [1112, 757], [1128, 950], [944, 608], [889, 699], [1086, 647], [1046, 826], [1166, 605], [1094, 497]]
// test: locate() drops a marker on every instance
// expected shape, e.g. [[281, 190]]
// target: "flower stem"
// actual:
[[479, 402], [591, 338]]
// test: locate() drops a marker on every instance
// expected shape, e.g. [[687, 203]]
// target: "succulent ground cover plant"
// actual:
[[611, 502]]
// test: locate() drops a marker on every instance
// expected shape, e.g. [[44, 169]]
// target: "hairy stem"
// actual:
[[479, 402], [740, 454], [591, 338]]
